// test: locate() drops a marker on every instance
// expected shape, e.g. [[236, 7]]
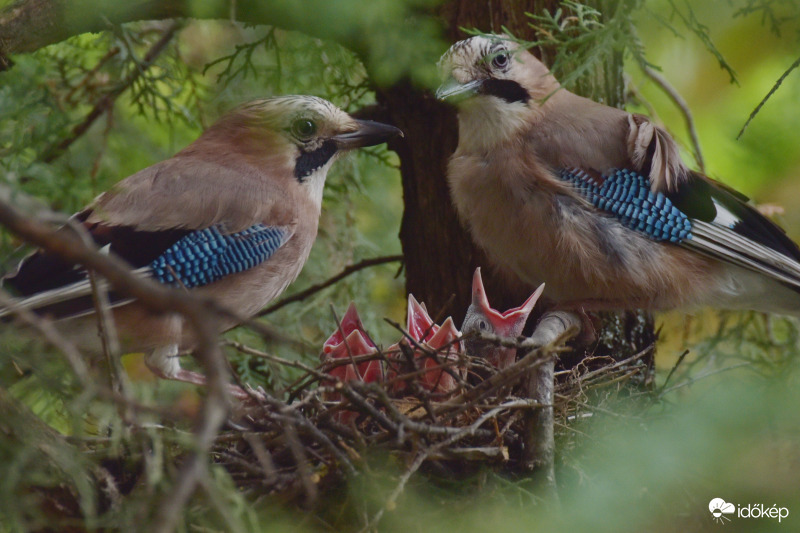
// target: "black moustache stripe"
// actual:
[[308, 162], [508, 90]]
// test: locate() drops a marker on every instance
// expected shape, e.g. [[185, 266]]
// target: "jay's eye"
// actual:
[[500, 61], [304, 128]]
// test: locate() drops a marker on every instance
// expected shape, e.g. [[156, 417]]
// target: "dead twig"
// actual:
[[763, 101], [681, 104], [302, 295]]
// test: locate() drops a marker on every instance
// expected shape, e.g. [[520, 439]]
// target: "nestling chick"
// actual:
[[350, 339], [435, 365], [347, 341], [482, 318]]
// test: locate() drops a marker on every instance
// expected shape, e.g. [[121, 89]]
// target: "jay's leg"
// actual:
[[165, 363], [554, 323]]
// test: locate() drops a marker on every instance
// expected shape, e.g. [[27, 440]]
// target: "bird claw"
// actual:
[[258, 394]]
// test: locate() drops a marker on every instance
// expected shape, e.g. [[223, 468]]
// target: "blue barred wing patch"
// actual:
[[627, 196], [208, 255]]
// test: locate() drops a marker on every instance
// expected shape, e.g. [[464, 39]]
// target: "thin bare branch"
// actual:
[[768, 96], [681, 104], [302, 295]]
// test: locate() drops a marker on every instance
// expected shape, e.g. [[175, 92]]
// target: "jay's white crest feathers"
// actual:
[[233, 215], [595, 201]]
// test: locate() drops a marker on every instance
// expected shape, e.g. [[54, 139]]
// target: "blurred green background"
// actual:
[[724, 425]]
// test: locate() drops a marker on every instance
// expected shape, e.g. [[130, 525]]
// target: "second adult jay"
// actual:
[[596, 202]]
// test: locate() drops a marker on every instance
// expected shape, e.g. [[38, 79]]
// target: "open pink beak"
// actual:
[[444, 339], [355, 342], [512, 322], [446, 334], [418, 323], [350, 340], [350, 322], [355, 345], [445, 342]]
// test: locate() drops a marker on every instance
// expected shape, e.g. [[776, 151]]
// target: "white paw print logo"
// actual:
[[719, 508]]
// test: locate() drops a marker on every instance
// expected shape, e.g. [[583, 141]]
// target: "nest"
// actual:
[[322, 430]]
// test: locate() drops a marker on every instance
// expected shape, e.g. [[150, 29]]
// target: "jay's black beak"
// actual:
[[369, 133], [455, 91]]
